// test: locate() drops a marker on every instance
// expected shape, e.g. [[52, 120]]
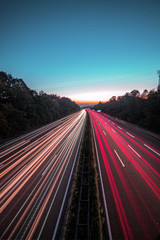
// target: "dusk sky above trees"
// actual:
[[84, 50]]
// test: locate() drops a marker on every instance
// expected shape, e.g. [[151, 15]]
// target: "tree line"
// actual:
[[141, 109], [22, 108]]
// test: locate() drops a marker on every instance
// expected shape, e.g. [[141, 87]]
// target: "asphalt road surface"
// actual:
[[36, 173], [129, 172]]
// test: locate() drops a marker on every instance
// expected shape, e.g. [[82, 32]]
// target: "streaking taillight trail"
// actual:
[[133, 175]]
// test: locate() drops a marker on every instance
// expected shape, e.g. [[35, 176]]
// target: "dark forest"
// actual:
[[22, 109], [141, 109]]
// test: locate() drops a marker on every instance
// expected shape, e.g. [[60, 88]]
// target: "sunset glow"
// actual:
[[87, 51], [86, 102]]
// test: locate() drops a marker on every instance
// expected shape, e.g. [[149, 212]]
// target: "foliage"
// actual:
[[143, 110], [22, 108]]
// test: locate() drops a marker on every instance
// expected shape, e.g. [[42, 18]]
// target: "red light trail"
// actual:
[[131, 178]]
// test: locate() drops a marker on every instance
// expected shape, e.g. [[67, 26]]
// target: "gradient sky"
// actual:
[[85, 50]]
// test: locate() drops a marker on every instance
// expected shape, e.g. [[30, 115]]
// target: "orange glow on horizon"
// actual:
[[87, 102]]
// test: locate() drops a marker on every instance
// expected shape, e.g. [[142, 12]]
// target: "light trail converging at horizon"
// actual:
[[129, 168], [36, 171], [37, 168]]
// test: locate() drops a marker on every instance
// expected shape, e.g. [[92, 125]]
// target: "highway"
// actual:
[[129, 176], [36, 175]]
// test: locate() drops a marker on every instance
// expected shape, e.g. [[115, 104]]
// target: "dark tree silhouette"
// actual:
[[22, 108], [143, 110]]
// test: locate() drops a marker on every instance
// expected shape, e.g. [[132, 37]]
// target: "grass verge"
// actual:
[[95, 229]]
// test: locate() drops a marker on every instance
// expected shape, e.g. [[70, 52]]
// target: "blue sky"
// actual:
[[85, 50]]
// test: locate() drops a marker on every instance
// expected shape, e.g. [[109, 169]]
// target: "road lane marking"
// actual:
[[119, 127], [104, 132], [74, 141], [65, 195], [152, 149], [119, 158], [134, 150], [113, 130], [64, 157], [130, 135], [103, 193]]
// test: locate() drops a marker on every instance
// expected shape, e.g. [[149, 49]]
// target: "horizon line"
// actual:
[[87, 102]]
